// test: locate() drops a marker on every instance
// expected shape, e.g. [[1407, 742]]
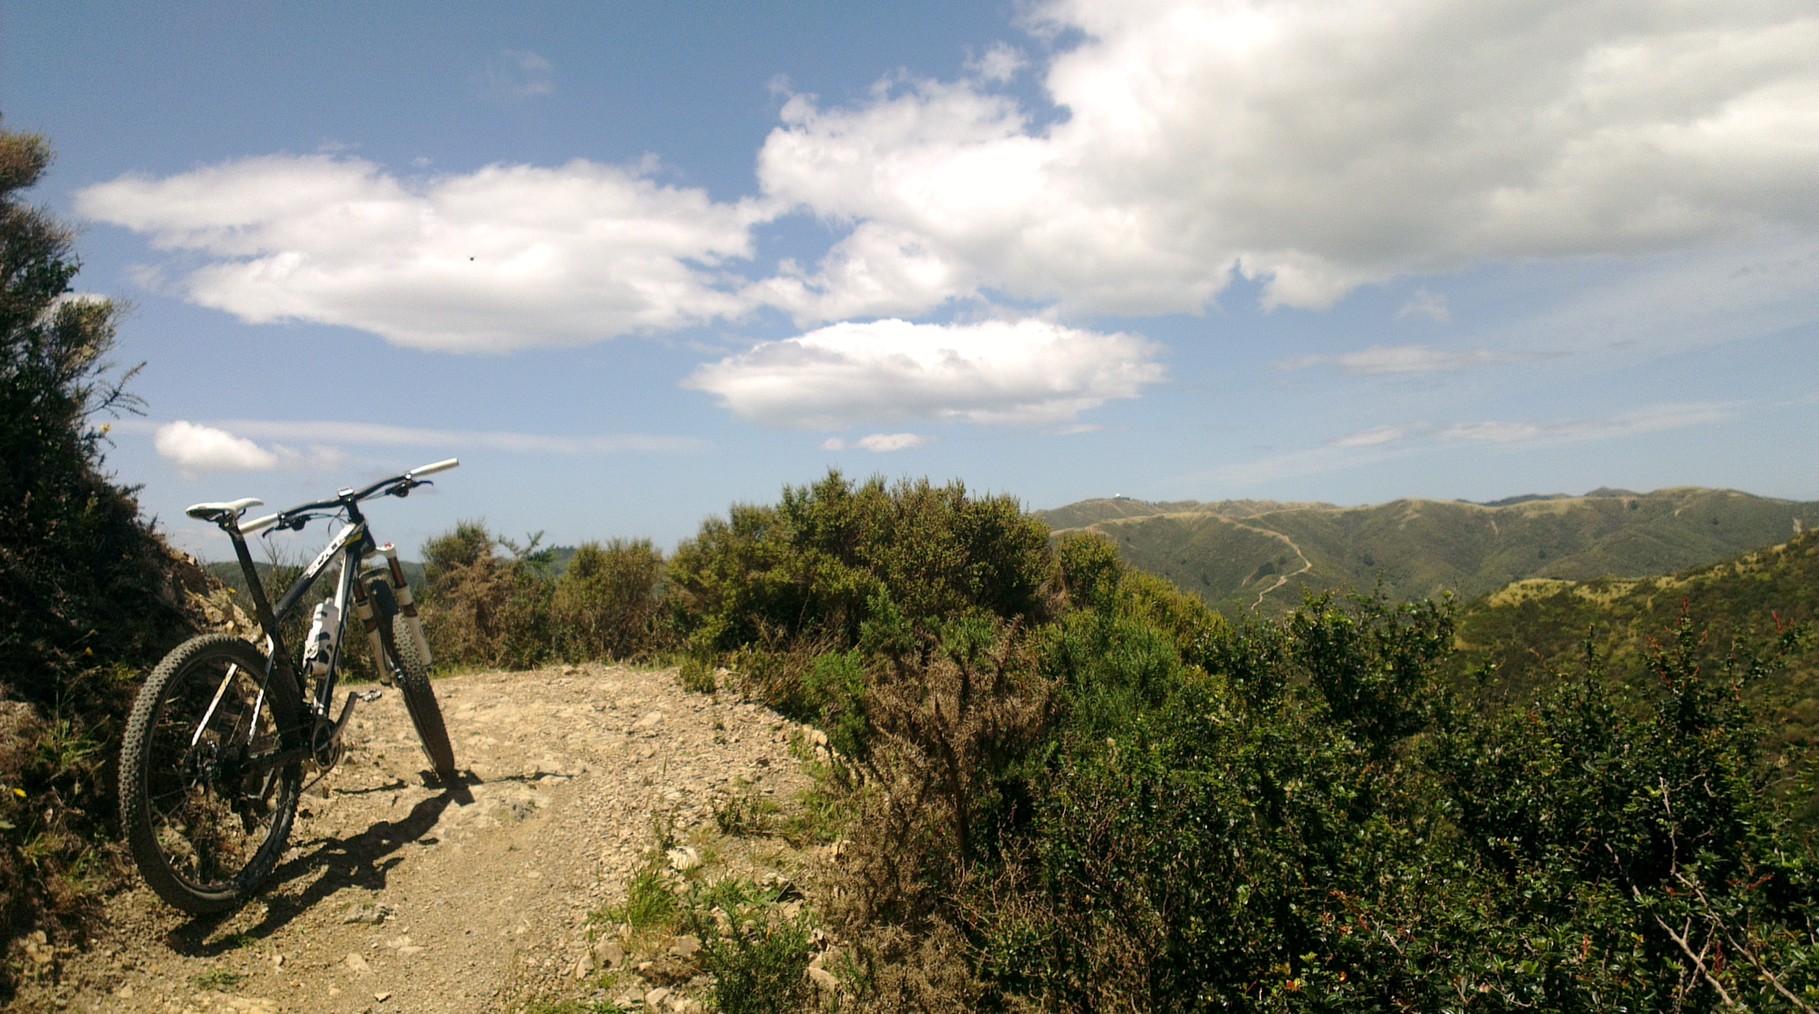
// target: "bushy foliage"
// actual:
[[811, 568], [605, 605], [1299, 815], [487, 599], [87, 591], [490, 601]]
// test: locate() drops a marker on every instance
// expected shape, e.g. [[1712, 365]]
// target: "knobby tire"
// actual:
[[411, 672], [206, 808]]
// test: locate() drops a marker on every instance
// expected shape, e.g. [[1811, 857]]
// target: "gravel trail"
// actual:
[[397, 895]]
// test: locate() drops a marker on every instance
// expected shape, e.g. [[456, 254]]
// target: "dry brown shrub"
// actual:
[[946, 732]]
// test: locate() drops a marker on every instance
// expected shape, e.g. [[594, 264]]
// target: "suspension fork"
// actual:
[[407, 607]]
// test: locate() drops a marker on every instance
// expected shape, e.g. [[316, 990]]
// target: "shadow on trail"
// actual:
[[335, 864]]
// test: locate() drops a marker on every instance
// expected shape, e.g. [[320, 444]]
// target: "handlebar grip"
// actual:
[[249, 527], [440, 466]]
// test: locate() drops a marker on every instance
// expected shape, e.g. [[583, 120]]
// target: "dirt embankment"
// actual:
[[401, 896]]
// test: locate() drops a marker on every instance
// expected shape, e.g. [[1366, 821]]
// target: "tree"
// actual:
[[87, 591]]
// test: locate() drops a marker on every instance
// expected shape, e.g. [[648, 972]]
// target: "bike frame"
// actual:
[[350, 547]]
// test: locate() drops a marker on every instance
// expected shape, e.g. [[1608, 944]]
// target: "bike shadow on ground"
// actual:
[[324, 867]]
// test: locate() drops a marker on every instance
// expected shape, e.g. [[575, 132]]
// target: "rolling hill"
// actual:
[[1246, 555], [1523, 635]]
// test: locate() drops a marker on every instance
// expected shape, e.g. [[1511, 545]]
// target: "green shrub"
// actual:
[[483, 607], [757, 954], [604, 605], [810, 568]]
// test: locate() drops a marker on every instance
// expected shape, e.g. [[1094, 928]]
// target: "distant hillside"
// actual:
[[1242, 555], [1535, 628]]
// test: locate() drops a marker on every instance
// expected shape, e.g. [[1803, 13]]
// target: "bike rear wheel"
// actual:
[[206, 796], [411, 672]]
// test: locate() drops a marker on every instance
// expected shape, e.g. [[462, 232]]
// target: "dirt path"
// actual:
[[1281, 579], [397, 896]]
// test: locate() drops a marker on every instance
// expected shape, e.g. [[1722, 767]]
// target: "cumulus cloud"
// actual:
[[1177, 145], [503, 258], [196, 449], [1028, 372], [1319, 147]]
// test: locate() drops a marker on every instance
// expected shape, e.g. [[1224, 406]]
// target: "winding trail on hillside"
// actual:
[[400, 896], [1281, 579]]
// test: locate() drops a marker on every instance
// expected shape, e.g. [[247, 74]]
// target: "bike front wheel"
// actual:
[[411, 672], [209, 775]]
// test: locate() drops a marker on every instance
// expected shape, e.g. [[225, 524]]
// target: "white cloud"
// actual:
[[1027, 373], [884, 443], [515, 75], [1319, 147], [1650, 419], [196, 449], [1179, 144], [878, 443], [1387, 443], [1382, 360], [875, 271], [998, 64], [1426, 304], [506, 257], [465, 441], [1376, 436]]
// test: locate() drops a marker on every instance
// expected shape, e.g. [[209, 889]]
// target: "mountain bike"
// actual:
[[223, 732]]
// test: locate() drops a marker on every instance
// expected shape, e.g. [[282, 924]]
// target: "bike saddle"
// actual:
[[215, 511]]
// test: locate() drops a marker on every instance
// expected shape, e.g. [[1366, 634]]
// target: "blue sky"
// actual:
[[635, 262]]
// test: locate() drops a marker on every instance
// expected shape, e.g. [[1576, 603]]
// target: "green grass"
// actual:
[[219, 980], [649, 904], [744, 812]]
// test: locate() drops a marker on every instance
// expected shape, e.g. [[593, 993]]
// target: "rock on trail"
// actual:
[[399, 896]]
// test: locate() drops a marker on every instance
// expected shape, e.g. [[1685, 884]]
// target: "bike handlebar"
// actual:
[[396, 485]]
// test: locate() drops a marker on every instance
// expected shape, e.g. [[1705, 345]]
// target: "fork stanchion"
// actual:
[[401, 590]]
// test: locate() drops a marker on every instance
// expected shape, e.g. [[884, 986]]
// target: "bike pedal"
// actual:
[[369, 696]]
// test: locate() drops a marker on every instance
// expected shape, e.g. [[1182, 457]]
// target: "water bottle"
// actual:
[[319, 646]]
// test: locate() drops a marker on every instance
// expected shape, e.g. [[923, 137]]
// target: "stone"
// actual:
[[357, 964], [372, 913], [668, 970], [649, 722], [823, 979], [609, 952]]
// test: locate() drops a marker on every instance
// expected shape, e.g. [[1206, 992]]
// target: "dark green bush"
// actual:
[[88, 593], [604, 605], [809, 569], [1162, 816]]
